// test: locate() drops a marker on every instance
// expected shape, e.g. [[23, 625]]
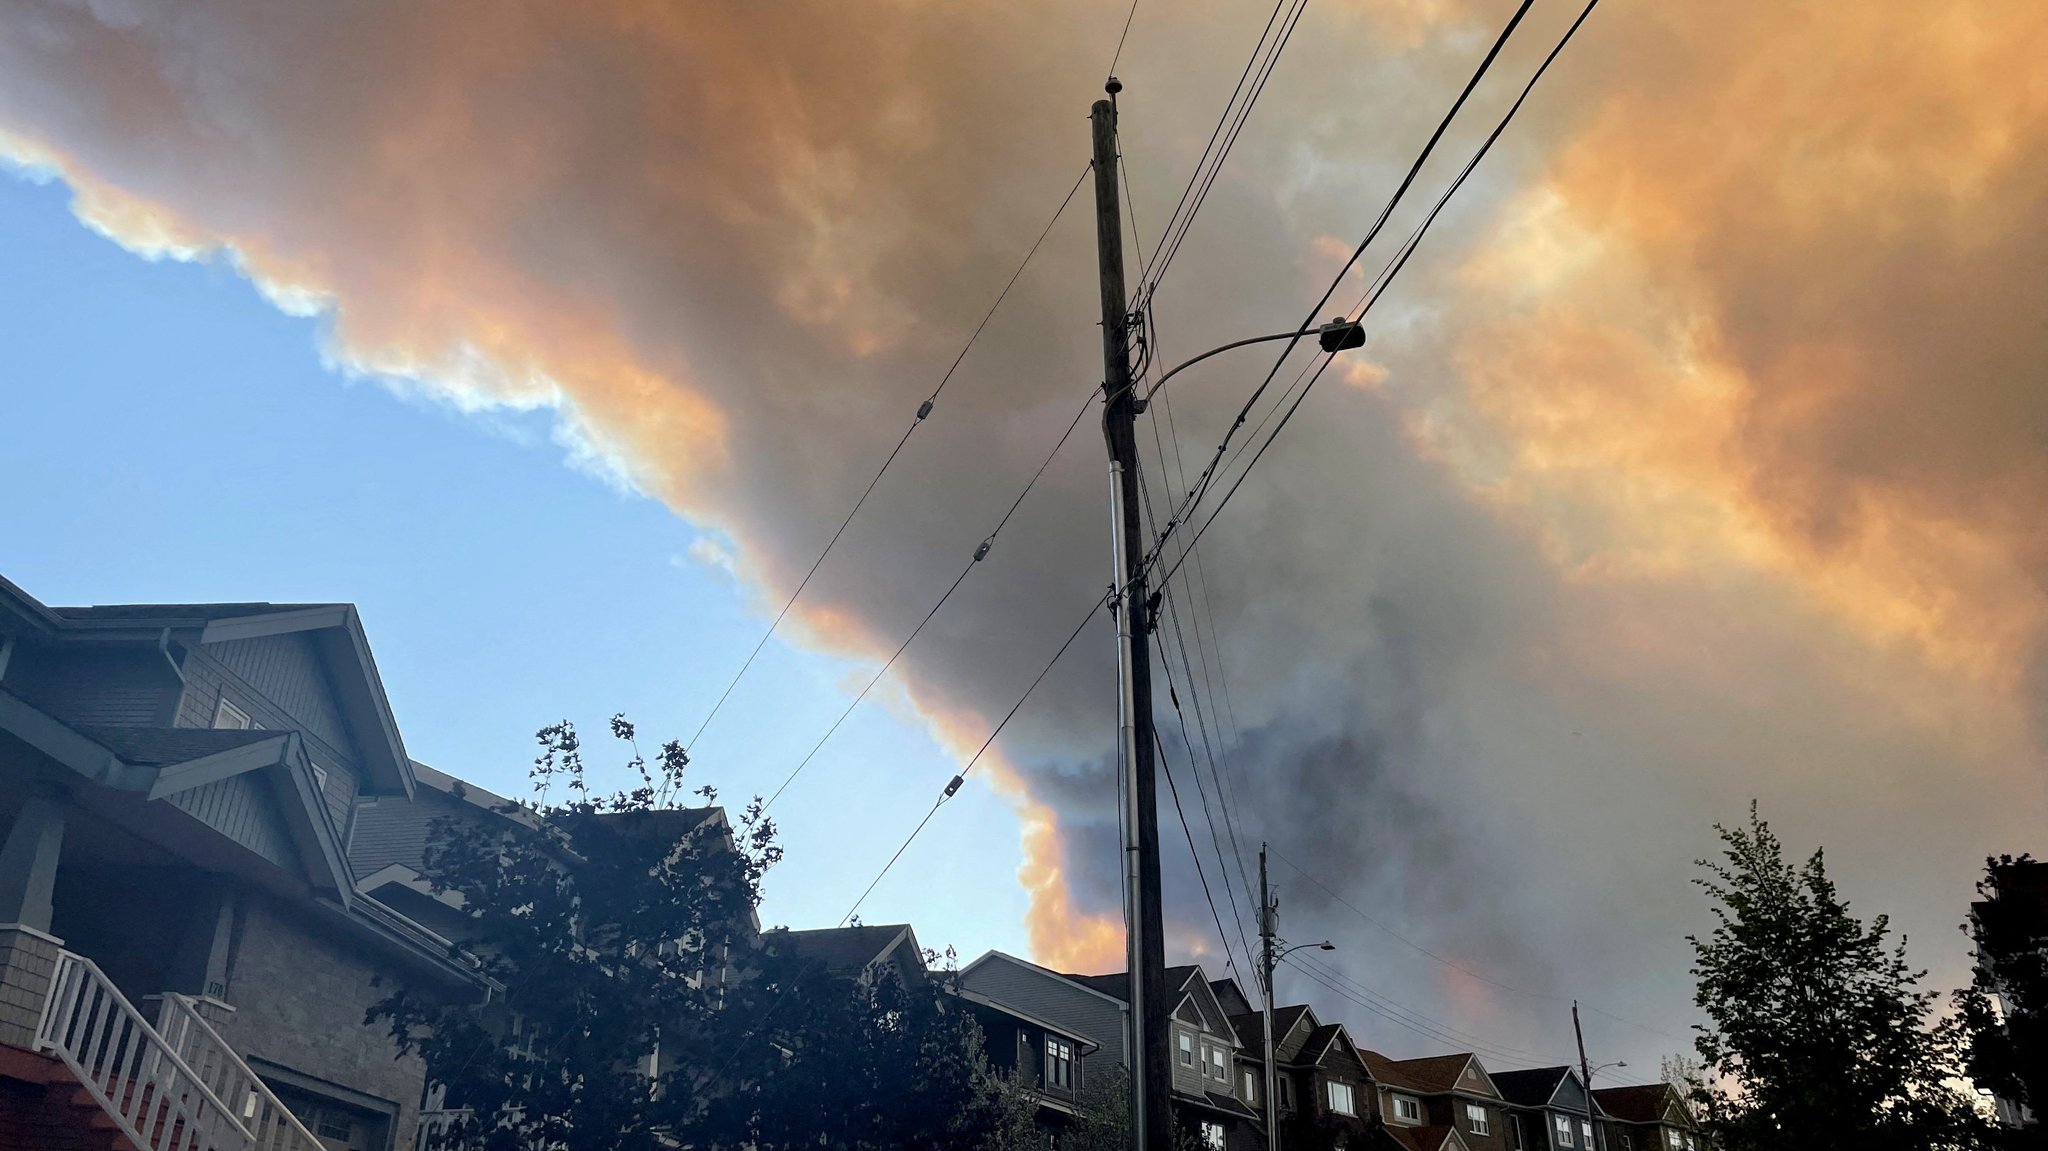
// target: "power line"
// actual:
[[980, 553], [1119, 53], [1195, 495], [1174, 790], [924, 410], [1421, 1024], [953, 785]]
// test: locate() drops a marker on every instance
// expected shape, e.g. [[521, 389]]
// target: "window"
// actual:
[[1340, 1099], [1286, 1093], [1586, 1130], [1187, 1050], [1671, 1138], [226, 714], [1212, 1135], [1219, 1065], [320, 779], [1059, 1064], [1407, 1109], [1251, 1086], [333, 1125], [1565, 1138], [1475, 1115]]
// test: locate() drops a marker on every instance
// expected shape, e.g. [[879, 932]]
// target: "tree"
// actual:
[[858, 1062], [2004, 1012], [635, 1003], [1102, 1121], [1818, 1035]]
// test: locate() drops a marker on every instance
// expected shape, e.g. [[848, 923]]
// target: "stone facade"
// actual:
[[301, 996], [28, 960]]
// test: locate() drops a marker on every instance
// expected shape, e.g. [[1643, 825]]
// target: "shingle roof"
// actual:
[[1420, 1138], [179, 611], [1251, 1029], [163, 746], [1436, 1072], [1116, 983], [1640, 1104], [847, 949], [1320, 1039], [1532, 1088]]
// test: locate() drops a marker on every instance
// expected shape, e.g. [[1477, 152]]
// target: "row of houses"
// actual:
[[212, 867]]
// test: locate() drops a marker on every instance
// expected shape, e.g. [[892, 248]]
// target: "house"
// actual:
[[1441, 1101], [179, 784], [1650, 1117], [1547, 1110], [1208, 1071], [1044, 1056], [2012, 921], [1326, 1093]]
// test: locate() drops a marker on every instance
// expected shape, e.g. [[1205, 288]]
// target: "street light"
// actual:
[[1603, 1067], [1339, 335], [1269, 960]]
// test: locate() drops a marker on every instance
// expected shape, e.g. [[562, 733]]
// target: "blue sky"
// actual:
[[170, 436]]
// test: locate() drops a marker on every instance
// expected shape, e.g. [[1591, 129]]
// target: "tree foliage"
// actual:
[[634, 1001], [1819, 1037], [2004, 1012]]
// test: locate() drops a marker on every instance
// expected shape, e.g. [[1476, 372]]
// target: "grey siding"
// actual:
[[243, 809], [303, 701], [1048, 997], [125, 686], [393, 831]]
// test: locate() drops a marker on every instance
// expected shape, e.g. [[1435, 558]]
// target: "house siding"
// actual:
[[313, 990], [1098, 1020], [243, 808], [304, 702], [125, 686]]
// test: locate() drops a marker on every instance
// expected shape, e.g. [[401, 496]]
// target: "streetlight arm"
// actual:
[[1335, 336]]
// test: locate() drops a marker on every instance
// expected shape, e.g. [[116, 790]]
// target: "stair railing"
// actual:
[[126, 1066], [271, 1126]]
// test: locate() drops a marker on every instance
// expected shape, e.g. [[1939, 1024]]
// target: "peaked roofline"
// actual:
[[1045, 971]]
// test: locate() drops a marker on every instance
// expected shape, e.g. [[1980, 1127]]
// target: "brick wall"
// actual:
[[299, 994]]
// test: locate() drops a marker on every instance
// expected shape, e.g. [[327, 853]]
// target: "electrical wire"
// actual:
[[981, 552], [953, 785], [1193, 499], [924, 410], [1173, 790], [1121, 36]]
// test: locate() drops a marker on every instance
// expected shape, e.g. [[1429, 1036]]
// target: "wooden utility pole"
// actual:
[[1593, 1139], [1145, 952], [1269, 911]]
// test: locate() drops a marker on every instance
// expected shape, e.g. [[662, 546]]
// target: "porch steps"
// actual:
[[43, 1108]]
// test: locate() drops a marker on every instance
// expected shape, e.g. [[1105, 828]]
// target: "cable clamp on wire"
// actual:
[[981, 553], [953, 786], [924, 409]]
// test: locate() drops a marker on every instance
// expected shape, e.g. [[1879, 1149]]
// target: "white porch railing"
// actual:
[[177, 1086], [124, 1064], [269, 1123]]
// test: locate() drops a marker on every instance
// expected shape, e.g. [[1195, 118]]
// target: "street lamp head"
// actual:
[[1341, 335], [1326, 945]]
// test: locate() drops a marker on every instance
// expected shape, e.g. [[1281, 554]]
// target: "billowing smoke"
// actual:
[[1699, 456]]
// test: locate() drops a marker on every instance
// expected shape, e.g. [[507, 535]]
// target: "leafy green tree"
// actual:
[[635, 1003], [2004, 1012], [1818, 1037], [1103, 1116]]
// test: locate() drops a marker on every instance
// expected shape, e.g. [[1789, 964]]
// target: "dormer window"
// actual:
[[1187, 1050], [1407, 1109], [227, 715], [1219, 1065]]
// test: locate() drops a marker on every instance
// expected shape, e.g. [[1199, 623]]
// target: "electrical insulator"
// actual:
[[954, 785], [981, 553], [924, 409]]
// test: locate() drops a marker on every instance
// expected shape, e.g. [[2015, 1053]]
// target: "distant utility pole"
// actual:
[[1593, 1140], [1269, 911], [1145, 950]]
